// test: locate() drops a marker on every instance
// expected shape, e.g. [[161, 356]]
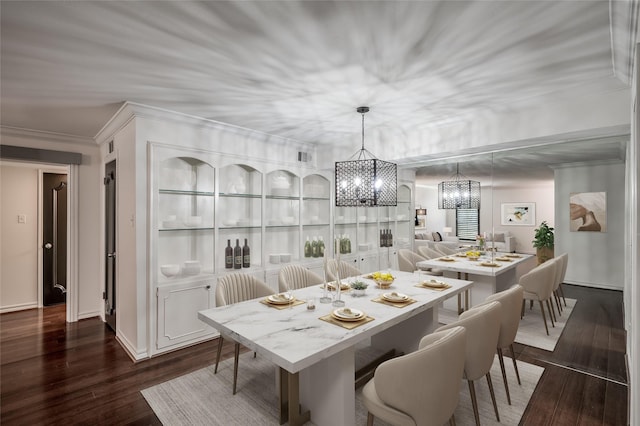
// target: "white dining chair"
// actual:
[[422, 387], [235, 288], [346, 270], [292, 277], [538, 285]]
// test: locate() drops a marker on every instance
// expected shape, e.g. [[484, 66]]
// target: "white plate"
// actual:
[[395, 297], [349, 315], [280, 299], [434, 284]]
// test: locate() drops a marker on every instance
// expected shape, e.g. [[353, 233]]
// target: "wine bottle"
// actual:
[[246, 255], [228, 256], [314, 247], [390, 238], [320, 247], [347, 243], [237, 255], [307, 248], [382, 238]]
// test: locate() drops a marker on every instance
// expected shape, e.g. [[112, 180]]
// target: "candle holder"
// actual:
[[338, 302], [325, 288]]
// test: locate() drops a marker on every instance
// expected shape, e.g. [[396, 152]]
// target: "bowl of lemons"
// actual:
[[383, 279]]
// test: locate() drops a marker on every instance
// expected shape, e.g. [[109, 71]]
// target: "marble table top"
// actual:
[[462, 264], [295, 338]]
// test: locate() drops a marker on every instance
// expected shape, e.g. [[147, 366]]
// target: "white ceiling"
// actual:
[[298, 69]]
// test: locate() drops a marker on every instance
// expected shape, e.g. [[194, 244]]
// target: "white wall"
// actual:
[[19, 242], [595, 258], [427, 198], [89, 279], [538, 192]]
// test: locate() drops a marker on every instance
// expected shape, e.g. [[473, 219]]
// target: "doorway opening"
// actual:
[[54, 237]]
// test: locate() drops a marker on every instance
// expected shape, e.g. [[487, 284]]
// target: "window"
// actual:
[[467, 223]]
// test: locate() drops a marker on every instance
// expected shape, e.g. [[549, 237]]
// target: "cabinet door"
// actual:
[[178, 306]]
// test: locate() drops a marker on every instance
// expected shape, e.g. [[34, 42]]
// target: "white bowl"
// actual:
[[244, 222], [193, 221], [170, 270], [363, 247], [229, 222], [274, 258], [362, 218], [191, 267], [168, 224], [285, 257]]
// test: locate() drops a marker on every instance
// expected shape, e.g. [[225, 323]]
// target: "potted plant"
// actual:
[[543, 242], [359, 288]]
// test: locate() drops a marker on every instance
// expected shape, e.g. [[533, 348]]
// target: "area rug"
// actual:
[[531, 331], [202, 398]]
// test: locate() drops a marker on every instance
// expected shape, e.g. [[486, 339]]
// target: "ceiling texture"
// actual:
[[298, 69]]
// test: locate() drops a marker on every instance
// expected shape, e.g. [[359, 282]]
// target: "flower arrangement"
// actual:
[[480, 240]]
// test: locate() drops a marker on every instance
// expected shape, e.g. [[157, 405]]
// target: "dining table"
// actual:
[[491, 272], [312, 344]]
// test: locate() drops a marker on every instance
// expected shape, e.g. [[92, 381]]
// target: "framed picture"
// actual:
[[588, 211], [518, 214]]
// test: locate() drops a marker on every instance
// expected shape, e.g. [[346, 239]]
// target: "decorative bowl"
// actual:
[[191, 267], [170, 270], [383, 283]]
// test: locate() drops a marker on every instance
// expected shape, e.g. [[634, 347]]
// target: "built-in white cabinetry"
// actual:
[[182, 244], [201, 203]]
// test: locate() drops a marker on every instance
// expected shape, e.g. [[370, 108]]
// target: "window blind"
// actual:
[[467, 223]]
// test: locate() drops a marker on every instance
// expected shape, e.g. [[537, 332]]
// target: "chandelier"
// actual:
[[459, 193], [363, 180]]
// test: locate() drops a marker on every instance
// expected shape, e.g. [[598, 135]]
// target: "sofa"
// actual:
[[430, 238], [501, 241]]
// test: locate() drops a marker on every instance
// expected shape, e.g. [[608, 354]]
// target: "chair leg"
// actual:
[[474, 402], [544, 317], [493, 396], [369, 419], [504, 375], [236, 357], [515, 365], [452, 420], [531, 304], [221, 339], [522, 311], [562, 294], [552, 314], [558, 304]]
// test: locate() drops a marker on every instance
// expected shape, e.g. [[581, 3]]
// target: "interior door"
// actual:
[[109, 294], [54, 233]]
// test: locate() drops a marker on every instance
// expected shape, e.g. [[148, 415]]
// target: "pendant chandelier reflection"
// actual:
[[365, 181], [459, 193]]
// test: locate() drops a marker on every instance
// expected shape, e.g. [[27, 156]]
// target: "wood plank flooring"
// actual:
[[58, 373]]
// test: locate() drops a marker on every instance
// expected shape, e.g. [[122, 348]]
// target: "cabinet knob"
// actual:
[[208, 287]]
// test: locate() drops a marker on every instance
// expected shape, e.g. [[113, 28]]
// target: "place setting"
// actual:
[[433, 284], [395, 299], [281, 301], [348, 318]]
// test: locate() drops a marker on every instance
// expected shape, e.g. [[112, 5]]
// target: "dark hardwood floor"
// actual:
[[58, 373]]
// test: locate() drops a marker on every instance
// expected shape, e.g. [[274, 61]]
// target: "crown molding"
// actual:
[[19, 132]]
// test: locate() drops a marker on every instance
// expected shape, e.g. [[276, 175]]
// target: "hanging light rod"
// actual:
[[364, 180]]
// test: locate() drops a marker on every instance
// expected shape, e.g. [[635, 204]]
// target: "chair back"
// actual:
[[540, 280], [407, 260], [292, 277], [483, 327], [442, 248], [238, 287], [510, 304], [564, 262], [428, 252], [346, 270], [425, 384]]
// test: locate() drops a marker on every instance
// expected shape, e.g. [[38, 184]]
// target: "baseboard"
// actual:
[[593, 285], [85, 315], [130, 349], [18, 307]]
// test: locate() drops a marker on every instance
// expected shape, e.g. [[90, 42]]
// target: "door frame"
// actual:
[[72, 235]]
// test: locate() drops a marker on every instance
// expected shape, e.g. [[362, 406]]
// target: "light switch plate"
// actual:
[[22, 218]]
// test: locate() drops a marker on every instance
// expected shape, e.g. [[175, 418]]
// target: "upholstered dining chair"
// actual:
[[483, 328], [293, 276], [235, 288], [346, 270], [407, 260], [429, 253], [442, 248], [538, 285], [510, 302], [562, 271], [422, 387]]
